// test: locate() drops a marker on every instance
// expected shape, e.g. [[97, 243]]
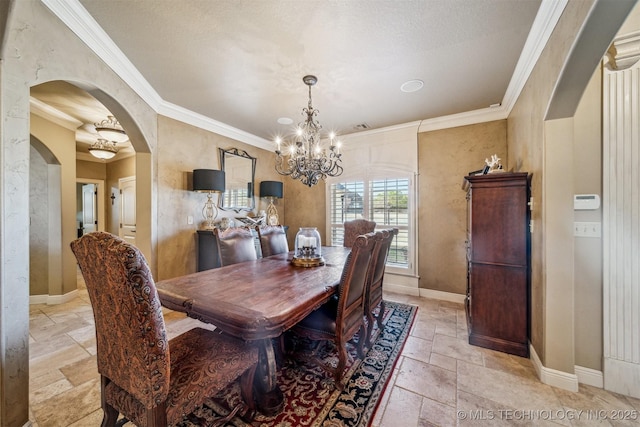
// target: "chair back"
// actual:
[[273, 240], [131, 339], [355, 228], [380, 254], [235, 245], [351, 290]]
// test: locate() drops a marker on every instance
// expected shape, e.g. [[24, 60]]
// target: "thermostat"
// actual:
[[583, 202]]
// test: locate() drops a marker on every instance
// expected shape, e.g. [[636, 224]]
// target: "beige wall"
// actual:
[[122, 168], [587, 179], [183, 148], [38, 224], [62, 144], [445, 157]]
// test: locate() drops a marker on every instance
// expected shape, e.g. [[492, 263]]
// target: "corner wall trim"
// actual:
[[589, 376], [553, 377]]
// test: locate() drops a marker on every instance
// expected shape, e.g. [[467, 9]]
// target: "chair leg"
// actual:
[[361, 339], [157, 416], [369, 328], [381, 315], [110, 416]]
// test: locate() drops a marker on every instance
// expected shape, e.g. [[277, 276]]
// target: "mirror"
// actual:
[[240, 169]]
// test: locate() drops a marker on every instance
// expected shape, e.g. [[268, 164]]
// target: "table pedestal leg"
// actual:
[[269, 397]]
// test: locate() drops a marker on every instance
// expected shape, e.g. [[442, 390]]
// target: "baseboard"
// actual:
[[53, 299], [399, 289], [553, 377], [441, 295], [589, 376]]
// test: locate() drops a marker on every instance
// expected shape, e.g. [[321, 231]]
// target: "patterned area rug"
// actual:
[[311, 398]]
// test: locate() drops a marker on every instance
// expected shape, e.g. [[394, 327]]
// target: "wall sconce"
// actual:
[[209, 181], [271, 190]]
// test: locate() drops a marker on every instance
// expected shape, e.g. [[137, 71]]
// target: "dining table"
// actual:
[[257, 301]]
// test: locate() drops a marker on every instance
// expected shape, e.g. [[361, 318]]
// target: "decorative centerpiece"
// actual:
[[308, 251]]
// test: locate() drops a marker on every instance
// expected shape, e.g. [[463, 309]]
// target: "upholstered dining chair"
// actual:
[[148, 379], [355, 228], [273, 240], [235, 245], [373, 292], [342, 316]]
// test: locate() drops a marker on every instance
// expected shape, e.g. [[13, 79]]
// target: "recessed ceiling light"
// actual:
[[412, 86], [285, 120]]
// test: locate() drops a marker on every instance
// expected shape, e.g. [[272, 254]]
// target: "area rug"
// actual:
[[311, 397]]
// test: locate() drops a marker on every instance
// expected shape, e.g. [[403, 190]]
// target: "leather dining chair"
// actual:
[[355, 228], [273, 240], [235, 245], [373, 293], [342, 316], [150, 380]]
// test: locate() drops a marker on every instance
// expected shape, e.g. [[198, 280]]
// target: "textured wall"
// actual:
[[38, 225], [445, 157], [526, 145]]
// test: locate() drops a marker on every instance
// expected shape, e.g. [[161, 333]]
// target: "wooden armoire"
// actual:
[[498, 261]]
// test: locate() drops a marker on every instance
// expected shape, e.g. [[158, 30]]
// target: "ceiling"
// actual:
[[240, 63]]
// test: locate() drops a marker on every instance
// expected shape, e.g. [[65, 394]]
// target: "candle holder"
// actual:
[[308, 248]]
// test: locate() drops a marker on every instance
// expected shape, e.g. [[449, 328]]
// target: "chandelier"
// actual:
[[103, 149], [306, 158], [110, 132]]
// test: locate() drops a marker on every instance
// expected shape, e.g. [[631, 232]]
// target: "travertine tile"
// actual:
[[418, 349], [427, 380], [435, 413], [457, 348], [404, 406]]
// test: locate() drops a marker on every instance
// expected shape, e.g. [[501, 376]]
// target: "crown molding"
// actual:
[[544, 24], [54, 115], [75, 16], [624, 52]]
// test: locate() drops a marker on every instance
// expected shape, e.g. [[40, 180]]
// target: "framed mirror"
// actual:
[[240, 170]]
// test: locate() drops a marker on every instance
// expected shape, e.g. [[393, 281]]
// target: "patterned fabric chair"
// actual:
[[235, 245], [146, 378], [273, 240], [355, 228], [373, 294], [343, 316]]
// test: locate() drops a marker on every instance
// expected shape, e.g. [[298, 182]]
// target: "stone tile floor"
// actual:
[[440, 380]]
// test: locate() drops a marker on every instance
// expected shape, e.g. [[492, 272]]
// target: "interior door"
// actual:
[[89, 208], [128, 209]]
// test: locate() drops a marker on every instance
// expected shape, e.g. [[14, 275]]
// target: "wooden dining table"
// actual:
[[257, 301]]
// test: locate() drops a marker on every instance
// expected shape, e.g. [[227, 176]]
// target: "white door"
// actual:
[[128, 209], [89, 208]]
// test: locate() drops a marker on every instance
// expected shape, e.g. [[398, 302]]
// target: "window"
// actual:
[[385, 201]]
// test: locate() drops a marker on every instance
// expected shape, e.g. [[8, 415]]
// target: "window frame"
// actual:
[[366, 177]]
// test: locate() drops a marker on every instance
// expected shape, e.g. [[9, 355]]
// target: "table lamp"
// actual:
[[271, 190], [209, 181]]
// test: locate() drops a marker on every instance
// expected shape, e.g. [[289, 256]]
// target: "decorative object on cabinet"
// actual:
[[306, 157], [492, 165], [240, 168], [271, 190], [308, 249], [209, 181], [498, 262]]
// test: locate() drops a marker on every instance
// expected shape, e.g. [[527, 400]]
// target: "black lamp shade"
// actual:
[[271, 189], [208, 180]]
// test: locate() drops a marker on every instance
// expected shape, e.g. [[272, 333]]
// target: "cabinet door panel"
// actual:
[[498, 225], [499, 302]]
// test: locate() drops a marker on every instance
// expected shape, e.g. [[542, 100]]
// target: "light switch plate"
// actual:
[[587, 229]]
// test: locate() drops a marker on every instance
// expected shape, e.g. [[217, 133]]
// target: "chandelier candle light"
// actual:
[[306, 159]]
